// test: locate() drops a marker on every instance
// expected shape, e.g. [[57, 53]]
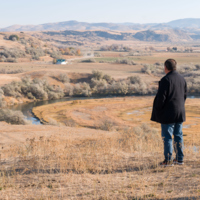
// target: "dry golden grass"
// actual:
[[122, 165], [59, 162]]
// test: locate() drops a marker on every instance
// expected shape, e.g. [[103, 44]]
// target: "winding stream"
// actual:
[[26, 108]]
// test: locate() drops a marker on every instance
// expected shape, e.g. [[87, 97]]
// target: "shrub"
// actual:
[[70, 123], [68, 89], [135, 79], [132, 138], [5, 71], [184, 69], [99, 86], [86, 90], [56, 54], [12, 117], [115, 47], [97, 74], [120, 88], [14, 60], [89, 61], [107, 125], [13, 37], [153, 69], [125, 61], [13, 89], [52, 122], [197, 67], [97, 54], [23, 41], [36, 53], [33, 89], [107, 77], [64, 78], [12, 53]]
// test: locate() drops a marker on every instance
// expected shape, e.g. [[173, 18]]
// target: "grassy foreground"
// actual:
[[62, 162], [85, 163]]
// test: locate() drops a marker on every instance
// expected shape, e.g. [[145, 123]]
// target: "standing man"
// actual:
[[169, 111]]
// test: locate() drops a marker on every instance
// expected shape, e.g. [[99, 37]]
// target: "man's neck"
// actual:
[[168, 71]]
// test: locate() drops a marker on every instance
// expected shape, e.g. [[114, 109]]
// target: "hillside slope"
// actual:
[[75, 25]]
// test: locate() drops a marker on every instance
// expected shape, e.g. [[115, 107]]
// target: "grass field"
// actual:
[[84, 162], [96, 148]]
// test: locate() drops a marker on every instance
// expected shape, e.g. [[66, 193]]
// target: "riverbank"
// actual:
[[115, 113]]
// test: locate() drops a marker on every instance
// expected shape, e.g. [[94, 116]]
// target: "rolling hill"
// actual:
[[188, 23]]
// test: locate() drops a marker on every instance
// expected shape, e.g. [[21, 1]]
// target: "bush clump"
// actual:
[[36, 53], [33, 89], [98, 84], [63, 78], [11, 55], [56, 54], [115, 47], [125, 61], [5, 71], [91, 60], [13, 37], [12, 117], [157, 70]]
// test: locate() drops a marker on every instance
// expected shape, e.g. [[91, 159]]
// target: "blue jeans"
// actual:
[[168, 130]]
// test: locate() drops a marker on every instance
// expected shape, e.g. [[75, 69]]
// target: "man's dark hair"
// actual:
[[170, 64]]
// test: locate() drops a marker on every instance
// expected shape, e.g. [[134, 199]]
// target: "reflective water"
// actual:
[[26, 108]]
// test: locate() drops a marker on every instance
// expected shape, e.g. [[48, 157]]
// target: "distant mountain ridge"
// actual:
[[185, 24], [170, 35]]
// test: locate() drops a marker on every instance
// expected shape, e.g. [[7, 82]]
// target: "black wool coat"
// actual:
[[169, 103]]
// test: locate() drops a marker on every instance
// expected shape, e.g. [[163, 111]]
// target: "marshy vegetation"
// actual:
[[98, 84]]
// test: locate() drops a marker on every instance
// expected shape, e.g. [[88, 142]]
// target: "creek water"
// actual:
[[26, 108]]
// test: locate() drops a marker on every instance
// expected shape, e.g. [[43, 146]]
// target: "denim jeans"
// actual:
[[168, 130]]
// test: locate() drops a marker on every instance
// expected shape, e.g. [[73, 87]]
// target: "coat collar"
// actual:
[[171, 72]]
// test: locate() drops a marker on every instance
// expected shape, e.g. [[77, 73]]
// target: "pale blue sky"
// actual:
[[26, 12]]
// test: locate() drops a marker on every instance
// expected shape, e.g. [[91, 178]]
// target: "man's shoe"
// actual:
[[166, 163], [177, 162]]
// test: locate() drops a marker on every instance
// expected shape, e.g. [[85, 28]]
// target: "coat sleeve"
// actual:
[[163, 91]]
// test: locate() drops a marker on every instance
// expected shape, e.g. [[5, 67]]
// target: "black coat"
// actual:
[[169, 103]]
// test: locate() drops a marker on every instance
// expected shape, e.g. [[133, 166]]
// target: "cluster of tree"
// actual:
[[115, 47], [33, 89], [36, 53], [8, 71], [12, 37], [99, 84], [70, 51], [125, 61], [156, 69], [12, 117], [11, 55], [103, 84]]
